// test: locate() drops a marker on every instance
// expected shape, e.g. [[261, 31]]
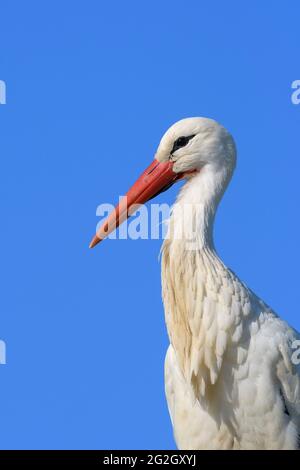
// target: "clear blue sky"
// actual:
[[91, 87]]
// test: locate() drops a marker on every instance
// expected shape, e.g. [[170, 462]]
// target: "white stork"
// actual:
[[231, 381]]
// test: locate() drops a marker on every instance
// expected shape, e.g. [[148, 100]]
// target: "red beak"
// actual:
[[155, 179]]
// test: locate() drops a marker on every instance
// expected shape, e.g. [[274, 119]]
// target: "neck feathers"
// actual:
[[194, 212], [200, 312]]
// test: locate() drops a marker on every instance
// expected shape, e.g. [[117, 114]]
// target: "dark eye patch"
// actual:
[[181, 142]]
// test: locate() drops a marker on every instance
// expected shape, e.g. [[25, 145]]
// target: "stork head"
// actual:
[[190, 146], [193, 143]]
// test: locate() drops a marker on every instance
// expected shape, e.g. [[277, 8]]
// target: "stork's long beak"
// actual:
[[155, 179]]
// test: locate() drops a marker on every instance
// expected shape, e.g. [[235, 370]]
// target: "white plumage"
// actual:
[[230, 379]]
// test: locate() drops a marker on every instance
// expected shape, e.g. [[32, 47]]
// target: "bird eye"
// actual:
[[181, 142]]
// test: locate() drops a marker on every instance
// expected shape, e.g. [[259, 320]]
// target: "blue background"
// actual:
[[91, 88]]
